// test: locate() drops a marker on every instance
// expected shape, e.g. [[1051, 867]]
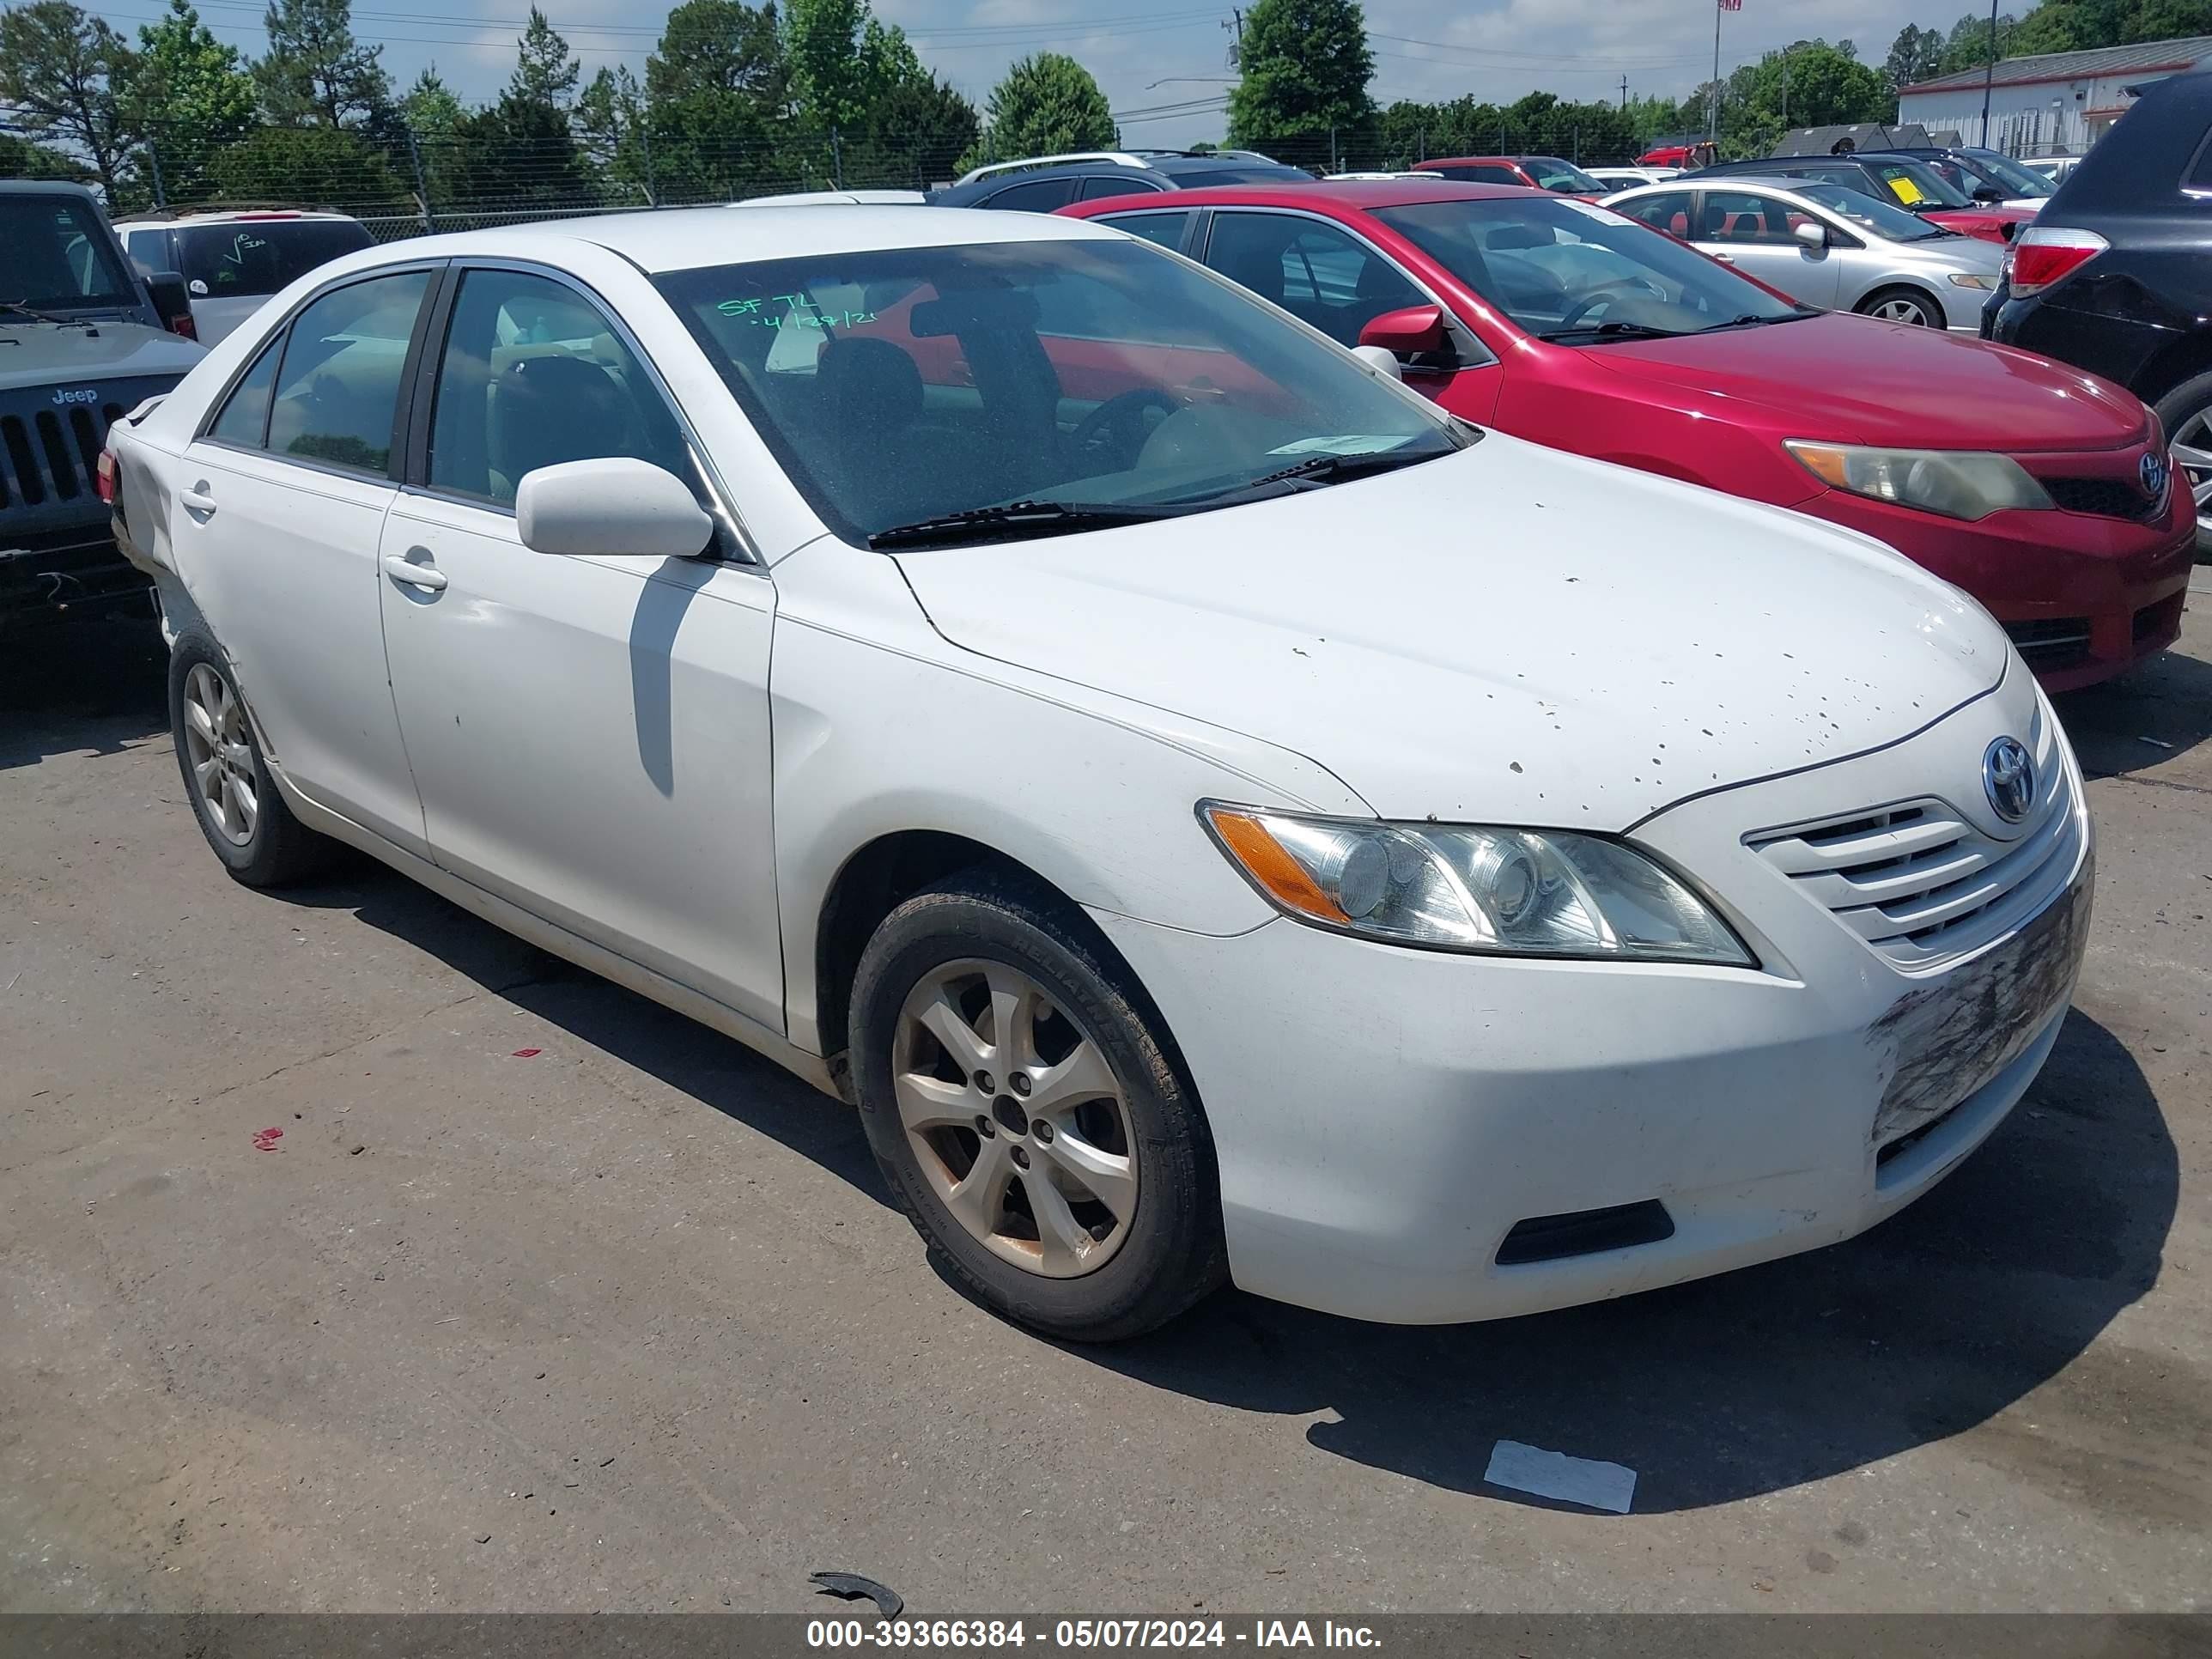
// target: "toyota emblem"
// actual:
[[2008, 774], [2151, 468]]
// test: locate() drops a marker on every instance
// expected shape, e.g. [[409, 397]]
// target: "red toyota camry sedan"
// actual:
[[2044, 492]]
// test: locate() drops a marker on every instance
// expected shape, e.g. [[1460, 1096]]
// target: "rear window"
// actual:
[[257, 256]]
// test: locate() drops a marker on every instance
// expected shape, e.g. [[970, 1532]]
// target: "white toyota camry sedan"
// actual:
[[1217, 816]]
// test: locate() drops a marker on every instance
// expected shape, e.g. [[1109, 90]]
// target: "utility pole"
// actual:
[[1989, 75], [1713, 110], [1624, 94]]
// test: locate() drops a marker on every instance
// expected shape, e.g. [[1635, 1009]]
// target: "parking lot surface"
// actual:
[[547, 1300]]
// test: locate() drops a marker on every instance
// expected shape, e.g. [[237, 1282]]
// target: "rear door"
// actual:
[[276, 529]]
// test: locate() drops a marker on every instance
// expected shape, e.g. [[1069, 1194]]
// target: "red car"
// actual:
[[2044, 492], [1530, 171]]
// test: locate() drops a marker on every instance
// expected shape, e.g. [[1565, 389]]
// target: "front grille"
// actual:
[[1919, 882], [2108, 498], [53, 455], [2051, 643]]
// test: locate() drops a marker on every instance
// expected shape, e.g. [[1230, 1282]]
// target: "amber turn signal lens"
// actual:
[[1281, 876]]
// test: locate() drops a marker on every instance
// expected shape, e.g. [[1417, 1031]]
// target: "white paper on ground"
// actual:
[[1582, 1480]]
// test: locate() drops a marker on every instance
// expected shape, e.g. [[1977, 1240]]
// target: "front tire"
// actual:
[[1902, 305], [2185, 412], [1024, 1104], [239, 809]]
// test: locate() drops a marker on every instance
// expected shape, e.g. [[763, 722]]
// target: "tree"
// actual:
[[1915, 55], [544, 73], [842, 59], [721, 47], [521, 153], [1049, 104], [1306, 65], [1967, 45], [1826, 86], [916, 133], [430, 109], [315, 70], [64, 72], [21, 159], [191, 96], [324, 165]]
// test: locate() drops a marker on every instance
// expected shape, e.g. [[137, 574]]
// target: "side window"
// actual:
[[1314, 271], [1670, 211], [244, 417], [337, 393], [1164, 228], [1739, 218], [149, 249], [1038, 196], [533, 376], [1106, 185]]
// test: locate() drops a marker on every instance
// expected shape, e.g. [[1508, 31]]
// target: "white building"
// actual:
[[2057, 103]]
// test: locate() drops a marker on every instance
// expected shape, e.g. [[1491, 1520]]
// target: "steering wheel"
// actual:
[[1116, 430], [1605, 293]]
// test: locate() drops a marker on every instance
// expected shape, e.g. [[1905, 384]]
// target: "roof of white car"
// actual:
[[683, 239], [229, 215]]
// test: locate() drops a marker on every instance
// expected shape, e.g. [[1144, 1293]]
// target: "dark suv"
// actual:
[[2116, 274], [1050, 184], [84, 339]]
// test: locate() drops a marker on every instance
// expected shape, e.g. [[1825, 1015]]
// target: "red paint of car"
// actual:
[[1990, 224], [2087, 587]]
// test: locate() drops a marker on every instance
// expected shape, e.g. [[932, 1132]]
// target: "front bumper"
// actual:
[[1384, 1118], [2084, 595], [67, 574]]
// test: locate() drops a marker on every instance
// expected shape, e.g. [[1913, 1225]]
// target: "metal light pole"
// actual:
[[1713, 107], [1990, 76]]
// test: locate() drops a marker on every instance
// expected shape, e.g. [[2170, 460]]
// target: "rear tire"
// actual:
[[1042, 1027], [2185, 412], [239, 809], [1908, 306]]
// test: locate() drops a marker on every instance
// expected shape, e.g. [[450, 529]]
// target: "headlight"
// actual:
[[1960, 483], [1973, 279], [1460, 887]]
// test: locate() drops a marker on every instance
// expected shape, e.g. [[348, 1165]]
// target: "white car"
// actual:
[[1629, 177], [1220, 816]]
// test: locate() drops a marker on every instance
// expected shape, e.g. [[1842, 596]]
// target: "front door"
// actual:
[[277, 530], [1757, 234], [590, 736]]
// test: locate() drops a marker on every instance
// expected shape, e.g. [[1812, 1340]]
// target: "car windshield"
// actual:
[[2009, 174], [1918, 185], [1552, 173], [258, 257], [1580, 273], [55, 255], [1875, 217], [902, 386]]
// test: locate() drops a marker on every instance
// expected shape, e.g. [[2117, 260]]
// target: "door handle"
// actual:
[[406, 570], [1725, 258], [198, 502]]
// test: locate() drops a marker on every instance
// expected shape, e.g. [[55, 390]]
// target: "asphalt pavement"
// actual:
[[546, 1299]]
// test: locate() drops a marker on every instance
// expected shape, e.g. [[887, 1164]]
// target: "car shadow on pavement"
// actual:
[[96, 686], [1763, 1379], [2142, 720]]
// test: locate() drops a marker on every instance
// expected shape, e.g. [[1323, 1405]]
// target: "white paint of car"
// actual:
[[658, 768]]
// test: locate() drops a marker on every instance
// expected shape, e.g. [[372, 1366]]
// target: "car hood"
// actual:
[[1853, 379], [45, 354], [1511, 634], [1991, 224]]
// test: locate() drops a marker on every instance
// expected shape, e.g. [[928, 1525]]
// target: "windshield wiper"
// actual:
[[21, 310], [1749, 320], [1613, 331], [1013, 520], [1336, 468]]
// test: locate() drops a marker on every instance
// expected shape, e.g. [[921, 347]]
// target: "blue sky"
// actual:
[[1496, 49]]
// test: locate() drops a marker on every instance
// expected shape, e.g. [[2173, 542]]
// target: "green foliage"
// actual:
[[1048, 104], [1305, 65], [1537, 125], [64, 72], [327, 166], [1826, 86], [519, 154], [430, 109], [315, 70], [913, 132], [1915, 55], [1967, 43], [191, 96], [544, 73], [720, 46], [21, 159], [842, 59]]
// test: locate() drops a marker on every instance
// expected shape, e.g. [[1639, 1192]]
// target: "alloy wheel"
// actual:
[[2192, 453], [1016, 1117], [220, 755], [1902, 310]]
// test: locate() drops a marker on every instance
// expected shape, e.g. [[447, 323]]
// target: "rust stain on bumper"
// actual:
[[1944, 1040]]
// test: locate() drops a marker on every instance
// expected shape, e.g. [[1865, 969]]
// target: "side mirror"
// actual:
[[617, 506], [1405, 331], [1380, 359], [1989, 194], [172, 303], [1811, 234]]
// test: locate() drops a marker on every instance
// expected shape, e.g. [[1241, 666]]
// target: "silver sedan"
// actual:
[[1825, 246]]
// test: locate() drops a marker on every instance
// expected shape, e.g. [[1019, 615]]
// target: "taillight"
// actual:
[[104, 477], [183, 324], [2043, 255]]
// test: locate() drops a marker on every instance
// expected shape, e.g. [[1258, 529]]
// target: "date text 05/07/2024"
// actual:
[[1086, 1634]]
